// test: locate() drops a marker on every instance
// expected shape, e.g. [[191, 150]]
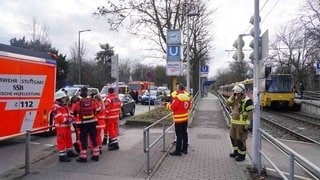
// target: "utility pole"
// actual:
[[256, 96]]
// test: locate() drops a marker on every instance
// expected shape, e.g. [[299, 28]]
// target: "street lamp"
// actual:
[[79, 56], [188, 49]]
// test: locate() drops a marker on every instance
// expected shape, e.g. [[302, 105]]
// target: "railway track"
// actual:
[[291, 126], [288, 125]]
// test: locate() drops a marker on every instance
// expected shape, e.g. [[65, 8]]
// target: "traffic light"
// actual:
[[263, 51], [251, 56], [238, 44]]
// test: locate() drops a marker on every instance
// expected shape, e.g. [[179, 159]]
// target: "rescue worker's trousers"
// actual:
[[64, 140], [100, 129], [182, 136], [238, 136], [112, 127], [85, 129]]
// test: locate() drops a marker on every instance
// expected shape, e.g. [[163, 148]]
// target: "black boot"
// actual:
[[64, 159], [81, 159], [105, 141], [95, 158], [234, 154], [71, 154], [175, 153], [113, 146], [241, 157], [185, 151], [109, 142], [76, 147]]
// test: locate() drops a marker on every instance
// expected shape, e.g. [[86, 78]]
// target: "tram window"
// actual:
[[278, 83]]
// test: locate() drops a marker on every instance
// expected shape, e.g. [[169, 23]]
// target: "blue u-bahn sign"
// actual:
[[173, 52], [204, 69]]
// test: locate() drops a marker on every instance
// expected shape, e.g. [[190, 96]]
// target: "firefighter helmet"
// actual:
[[59, 95], [239, 88]]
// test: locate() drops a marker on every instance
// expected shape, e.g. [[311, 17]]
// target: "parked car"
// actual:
[[165, 93], [151, 97], [75, 91], [128, 105]]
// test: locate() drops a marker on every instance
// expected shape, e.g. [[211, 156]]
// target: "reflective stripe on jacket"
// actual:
[[112, 106], [61, 114], [180, 106], [100, 114], [244, 111], [75, 110]]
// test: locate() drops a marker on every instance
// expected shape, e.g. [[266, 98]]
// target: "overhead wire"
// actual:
[[260, 10]]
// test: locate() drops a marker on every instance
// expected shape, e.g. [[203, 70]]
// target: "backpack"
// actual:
[[86, 109]]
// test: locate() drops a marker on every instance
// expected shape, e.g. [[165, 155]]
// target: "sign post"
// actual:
[[173, 54]]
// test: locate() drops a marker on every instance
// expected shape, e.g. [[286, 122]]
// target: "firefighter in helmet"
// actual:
[[62, 121], [241, 115]]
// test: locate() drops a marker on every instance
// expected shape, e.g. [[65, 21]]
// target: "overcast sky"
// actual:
[[65, 18]]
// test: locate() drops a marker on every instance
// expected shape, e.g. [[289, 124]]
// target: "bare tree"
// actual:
[[40, 32], [151, 19], [291, 52], [147, 19]]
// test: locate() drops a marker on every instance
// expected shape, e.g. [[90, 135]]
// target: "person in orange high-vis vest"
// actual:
[[76, 122], [180, 106], [112, 112], [85, 109], [62, 122], [101, 119]]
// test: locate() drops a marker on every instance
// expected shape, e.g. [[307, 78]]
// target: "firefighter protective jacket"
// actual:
[[61, 115], [75, 111], [241, 110], [180, 106], [112, 106], [100, 114]]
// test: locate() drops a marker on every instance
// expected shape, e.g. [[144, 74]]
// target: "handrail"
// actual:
[[147, 145], [294, 157], [27, 149], [311, 95], [146, 138], [194, 106]]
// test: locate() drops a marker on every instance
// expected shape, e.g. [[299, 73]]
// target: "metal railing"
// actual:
[[311, 95], [147, 145], [294, 158], [27, 148]]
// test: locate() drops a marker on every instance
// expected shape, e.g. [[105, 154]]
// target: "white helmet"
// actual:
[[239, 88], [59, 95]]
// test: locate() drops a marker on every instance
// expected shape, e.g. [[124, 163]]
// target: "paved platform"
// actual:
[[208, 153], [207, 158]]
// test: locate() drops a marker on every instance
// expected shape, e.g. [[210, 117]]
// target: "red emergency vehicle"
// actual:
[[27, 86], [141, 86]]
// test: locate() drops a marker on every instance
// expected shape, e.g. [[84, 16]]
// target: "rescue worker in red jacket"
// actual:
[[62, 121], [76, 122], [112, 112], [101, 119], [85, 110], [241, 115], [174, 95], [180, 106]]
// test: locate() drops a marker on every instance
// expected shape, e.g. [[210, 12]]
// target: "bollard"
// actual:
[[27, 155]]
